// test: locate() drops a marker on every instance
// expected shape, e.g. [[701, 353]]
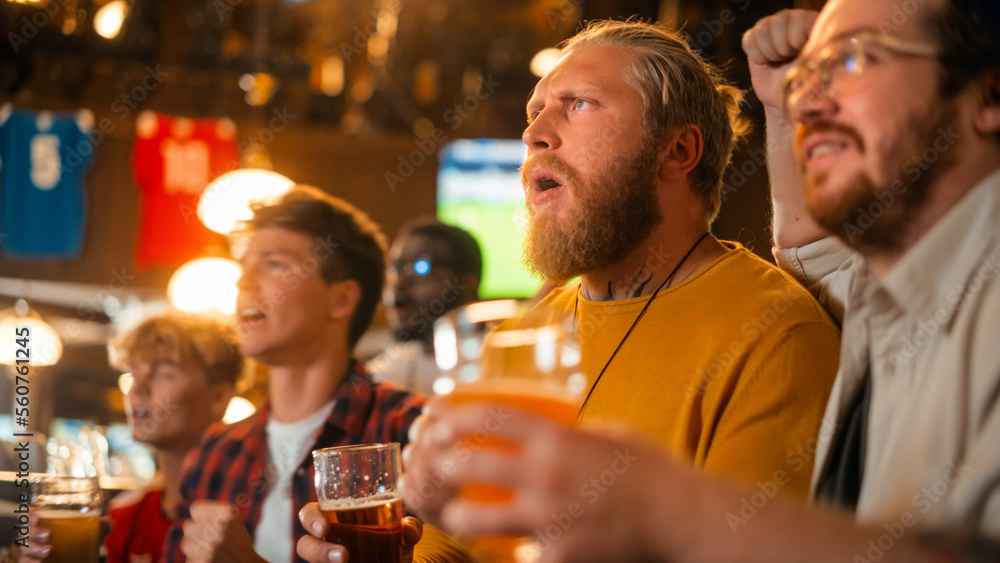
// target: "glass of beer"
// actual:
[[500, 352], [358, 495], [70, 508]]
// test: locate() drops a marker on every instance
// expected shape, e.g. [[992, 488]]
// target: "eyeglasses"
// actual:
[[843, 60], [420, 267]]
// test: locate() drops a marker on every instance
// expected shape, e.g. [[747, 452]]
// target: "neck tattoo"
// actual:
[[576, 306]]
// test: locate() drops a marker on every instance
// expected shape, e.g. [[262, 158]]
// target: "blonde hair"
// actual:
[[179, 339], [678, 87]]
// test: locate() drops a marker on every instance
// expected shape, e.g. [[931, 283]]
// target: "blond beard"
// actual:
[[608, 218]]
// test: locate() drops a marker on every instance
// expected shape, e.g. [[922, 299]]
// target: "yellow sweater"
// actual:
[[730, 369]]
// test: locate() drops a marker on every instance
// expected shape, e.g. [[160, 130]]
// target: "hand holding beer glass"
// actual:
[[358, 496], [496, 352], [70, 508]]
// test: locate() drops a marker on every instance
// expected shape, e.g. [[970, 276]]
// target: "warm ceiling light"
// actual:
[[378, 47], [109, 19], [238, 409], [259, 87], [205, 285], [331, 81], [544, 61], [227, 199], [25, 336]]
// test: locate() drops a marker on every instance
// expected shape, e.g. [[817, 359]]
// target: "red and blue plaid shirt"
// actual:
[[231, 462]]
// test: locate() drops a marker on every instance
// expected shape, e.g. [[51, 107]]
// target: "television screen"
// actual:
[[479, 190]]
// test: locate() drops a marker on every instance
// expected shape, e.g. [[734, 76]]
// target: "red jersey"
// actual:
[[175, 159], [139, 531]]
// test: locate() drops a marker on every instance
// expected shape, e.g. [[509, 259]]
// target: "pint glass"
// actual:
[[501, 353], [356, 488], [70, 508]]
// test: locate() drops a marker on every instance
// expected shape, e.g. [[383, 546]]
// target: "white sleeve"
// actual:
[[825, 268]]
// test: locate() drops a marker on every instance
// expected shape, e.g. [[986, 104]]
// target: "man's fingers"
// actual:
[[757, 44], [209, 521], [424, 497], [481, 421], [195, 549], [489, 466], [35, 553], [205, 510], [316, 550], [312, 520], [465, 518], [417, 427], [413, 530], [800, 24], [778, 38], [38, 546]]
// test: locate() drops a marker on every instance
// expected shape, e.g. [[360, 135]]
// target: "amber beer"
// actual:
[[357, 491], [70, 508], [75, 535], [523, 395], [370, 529]]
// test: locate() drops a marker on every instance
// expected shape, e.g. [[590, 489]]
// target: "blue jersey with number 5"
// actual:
[[43, 159]]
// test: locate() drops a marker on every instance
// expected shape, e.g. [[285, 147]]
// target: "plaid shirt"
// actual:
[[230, 464]]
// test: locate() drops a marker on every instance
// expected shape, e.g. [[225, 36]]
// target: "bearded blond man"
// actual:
[[717, 355]]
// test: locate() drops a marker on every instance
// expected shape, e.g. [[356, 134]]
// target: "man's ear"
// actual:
[[343, 298], [682, 153], [987, 120]]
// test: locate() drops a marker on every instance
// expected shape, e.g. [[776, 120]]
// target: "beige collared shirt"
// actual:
[[930, 333]]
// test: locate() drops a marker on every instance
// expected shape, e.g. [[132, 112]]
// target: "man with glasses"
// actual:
[[894, 122], [433, 268], [895, 118]]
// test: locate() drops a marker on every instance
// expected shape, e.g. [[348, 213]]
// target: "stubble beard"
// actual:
[[610, 216], [906, 192]]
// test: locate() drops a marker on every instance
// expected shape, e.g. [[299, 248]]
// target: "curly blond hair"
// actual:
[[179, 339]]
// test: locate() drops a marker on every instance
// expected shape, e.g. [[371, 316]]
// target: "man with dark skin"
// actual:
[[433, 268]]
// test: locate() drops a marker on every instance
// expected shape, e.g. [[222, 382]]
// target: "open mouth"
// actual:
[[825, 147], [545, 184], [251, 315], [544, 180], [139, 412]]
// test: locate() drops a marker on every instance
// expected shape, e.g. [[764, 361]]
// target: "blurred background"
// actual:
[[402, 107]]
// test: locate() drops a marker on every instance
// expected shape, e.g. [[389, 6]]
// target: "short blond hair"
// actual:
[[678, 87], [180, 339]]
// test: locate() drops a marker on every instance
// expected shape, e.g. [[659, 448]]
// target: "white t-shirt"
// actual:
[[287, 446]]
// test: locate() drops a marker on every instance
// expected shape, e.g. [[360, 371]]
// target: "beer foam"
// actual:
[[366, 502], [518, 386]]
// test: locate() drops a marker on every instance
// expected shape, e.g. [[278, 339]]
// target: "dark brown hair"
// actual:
[[355, 243], [968, 35]]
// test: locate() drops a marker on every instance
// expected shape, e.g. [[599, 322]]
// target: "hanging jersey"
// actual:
[[175, 158], [44, 157]]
